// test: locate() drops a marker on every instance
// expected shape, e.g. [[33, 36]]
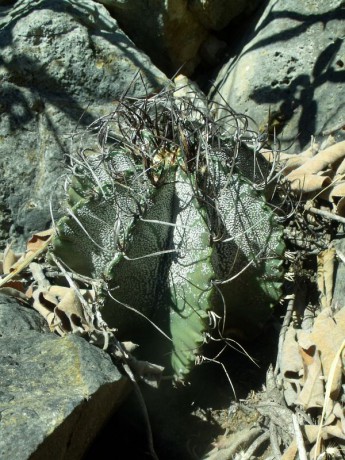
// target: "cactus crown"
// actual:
[[164, 208]]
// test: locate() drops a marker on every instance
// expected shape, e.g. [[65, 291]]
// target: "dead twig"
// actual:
[[327, 397], [326, 214], [39, 277], [256, 444], [299, 438], [335, 128], [26, 262], [274, 441], [234, 443], [285, 325], [87, 310]]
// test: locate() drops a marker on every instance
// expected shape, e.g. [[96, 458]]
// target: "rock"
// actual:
[[17, 319], [62, 65], [216, 14], [171, 33], [211, 50], [56, 393], [292, 66], [167, 31]]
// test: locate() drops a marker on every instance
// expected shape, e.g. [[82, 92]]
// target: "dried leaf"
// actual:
[[28, 258], [325, 275], [340, 209], [334, 194], [9, 259], [15, 284], [325, 408], [291, 361], [46, 299], [291, 366], [38, 240], [72, 308], [291, 451], [312, 394], [45, 304], [129, 347], [293, 163], [328, 142], [330, 156], [307, 183], [306, 347], [21, 262], [272, 156], [59, 291], [337, 190], [29, 291], [328, 335], [310, 432], [65, 323], [333, 431], [341, 169], [311, 151], [291, 389], [308, 153], [328, 432]]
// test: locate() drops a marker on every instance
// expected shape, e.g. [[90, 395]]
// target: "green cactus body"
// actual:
[[167, 272], [250, 245], [190, 277], [168, 220], [101, 214], [139, 280]]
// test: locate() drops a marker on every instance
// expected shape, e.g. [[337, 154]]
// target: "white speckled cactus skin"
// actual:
[[166, 216]]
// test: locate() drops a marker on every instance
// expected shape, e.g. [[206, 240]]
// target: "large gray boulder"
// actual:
[[55, 393], [63, 63], [175, 33], [292, 66]]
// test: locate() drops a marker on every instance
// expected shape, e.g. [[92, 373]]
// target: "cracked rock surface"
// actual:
[[55, 393], [289, 71]]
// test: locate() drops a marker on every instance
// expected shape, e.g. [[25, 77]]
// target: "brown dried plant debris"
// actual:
[[311, 381], [311, 358], [318, 172], [68, 309], [317, 175], [14, 266]]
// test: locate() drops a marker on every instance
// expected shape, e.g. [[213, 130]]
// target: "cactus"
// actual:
[[167, 212]]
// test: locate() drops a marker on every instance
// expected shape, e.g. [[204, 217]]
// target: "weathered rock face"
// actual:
[[216, 14], [16, 319], [165, 30], [293, 67], [172, 32], [62, 64], [55, 393]]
